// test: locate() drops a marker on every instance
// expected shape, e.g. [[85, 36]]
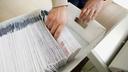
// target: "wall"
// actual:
[[12, 8]]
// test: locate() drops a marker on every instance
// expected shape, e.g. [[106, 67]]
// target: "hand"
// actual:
[[56, 20], [90, 10]]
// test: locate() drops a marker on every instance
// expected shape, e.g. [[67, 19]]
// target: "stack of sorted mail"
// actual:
[[26, 45]]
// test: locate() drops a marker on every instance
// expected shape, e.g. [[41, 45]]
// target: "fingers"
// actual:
[[91, 14], [56, 20], [90, 10], [82, 13], [54, 27], [95, 14], [89, 17], [86, 15], [49, 21], [58, 31]]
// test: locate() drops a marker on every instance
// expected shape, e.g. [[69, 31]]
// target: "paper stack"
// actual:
[[26, 45]]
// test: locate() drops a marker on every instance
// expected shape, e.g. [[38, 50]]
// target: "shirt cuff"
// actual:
[[57, 3]]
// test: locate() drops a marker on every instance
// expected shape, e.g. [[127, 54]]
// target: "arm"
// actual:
[[57, 17]]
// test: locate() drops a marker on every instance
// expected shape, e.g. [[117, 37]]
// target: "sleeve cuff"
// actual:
[[57, 3]]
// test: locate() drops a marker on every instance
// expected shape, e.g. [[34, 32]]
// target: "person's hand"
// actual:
[[90, 10], [56, 20]]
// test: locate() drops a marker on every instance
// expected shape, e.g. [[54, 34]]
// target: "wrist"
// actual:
[[59, 8], [101, 0], [63, 6]]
